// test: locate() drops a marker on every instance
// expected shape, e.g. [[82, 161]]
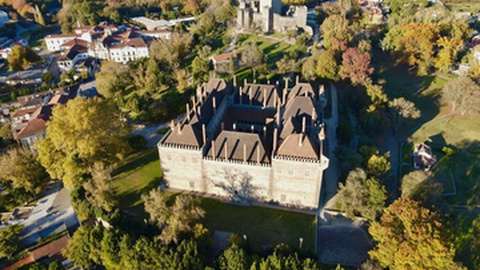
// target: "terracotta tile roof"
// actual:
[[235, 143], [75, 41], [23, 112], [224, 57], [51, 251], [34, 127], [298, 146], [63, 36]]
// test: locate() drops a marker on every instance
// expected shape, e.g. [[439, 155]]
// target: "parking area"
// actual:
[[343, 241]]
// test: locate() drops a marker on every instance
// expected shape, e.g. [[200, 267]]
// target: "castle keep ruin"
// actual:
[[249, 143], [267, 14]]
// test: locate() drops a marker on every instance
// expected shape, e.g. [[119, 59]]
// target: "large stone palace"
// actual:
[[249, 143]]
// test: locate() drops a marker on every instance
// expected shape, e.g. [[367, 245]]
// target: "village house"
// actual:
[[423, 157], [223, 63]]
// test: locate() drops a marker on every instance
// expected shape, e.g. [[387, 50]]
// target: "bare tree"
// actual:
[[463, 94], [237, 185]]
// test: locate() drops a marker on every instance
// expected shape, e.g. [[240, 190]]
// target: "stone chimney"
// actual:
[[188, 111], [275, 134], [214, 153], [172, 125], [244, 153], [240, 94], [204, 134], [214, 104], [258, 154], [226, 150], [304, 124], [264, 97]]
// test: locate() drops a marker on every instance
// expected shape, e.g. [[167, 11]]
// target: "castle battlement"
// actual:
[[255, 137]]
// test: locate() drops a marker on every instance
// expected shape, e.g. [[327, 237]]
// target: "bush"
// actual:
[[344, 131], [137, 142]]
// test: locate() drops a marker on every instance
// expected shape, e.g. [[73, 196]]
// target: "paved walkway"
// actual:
[[149, 131]]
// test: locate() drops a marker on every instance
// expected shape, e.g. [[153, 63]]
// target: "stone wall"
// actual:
[[182, 168]]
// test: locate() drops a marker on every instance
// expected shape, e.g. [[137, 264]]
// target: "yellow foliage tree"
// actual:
[[449, 52], [82, 133]]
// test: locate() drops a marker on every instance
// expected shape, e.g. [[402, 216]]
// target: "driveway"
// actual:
[[148, 131]]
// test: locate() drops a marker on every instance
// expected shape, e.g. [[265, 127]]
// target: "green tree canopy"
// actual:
[[361, 196], [9, 241], [80, 134], [21, 169]]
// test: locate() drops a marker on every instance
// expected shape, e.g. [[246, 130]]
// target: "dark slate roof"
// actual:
[[301, 89], [186, 135], [235, 142], [300, 107], [298, 146], [258, 93]]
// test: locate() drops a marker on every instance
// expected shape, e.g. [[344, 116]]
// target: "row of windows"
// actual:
[[306, 173], [183, 159]]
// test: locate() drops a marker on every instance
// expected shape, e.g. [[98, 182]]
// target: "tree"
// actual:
[[356, 66], [83, 248], [253, 56], [111, 79], [285, 65], [201, 64], [421, 186], [21, 168], [80, 134], [175, 220], [450, 47], [327, 67], [361, 196], [21, 57], [335, 26], [100, 193], [191, 7], [377, 96], [378, 165], [173, 50], [233, 258], [400, 108], [48, 77], [415, 43], [9, 241], [409, 236], [463, 94]]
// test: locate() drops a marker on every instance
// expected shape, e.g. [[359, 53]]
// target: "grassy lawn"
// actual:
[[262, 226], [141, 172], [272, 48]]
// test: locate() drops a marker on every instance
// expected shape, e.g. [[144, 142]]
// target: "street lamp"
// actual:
[[300, 241]]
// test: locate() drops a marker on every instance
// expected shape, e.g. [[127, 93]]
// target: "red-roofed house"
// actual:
[[48, 253], [221, 62]]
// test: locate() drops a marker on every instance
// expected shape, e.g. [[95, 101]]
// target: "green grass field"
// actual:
[[141, 172]]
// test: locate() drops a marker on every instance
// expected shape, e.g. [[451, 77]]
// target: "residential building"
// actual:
[[423, 157], [29, 122], [119, 43], [253, 143], [223, 62]]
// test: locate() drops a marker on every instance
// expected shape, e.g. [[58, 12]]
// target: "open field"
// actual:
[[263, 227], [440, 128]]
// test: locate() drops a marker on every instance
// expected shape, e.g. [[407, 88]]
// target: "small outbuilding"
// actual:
[[423, 157]]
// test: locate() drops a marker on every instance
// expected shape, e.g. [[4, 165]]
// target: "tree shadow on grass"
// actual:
[[145, 158], [130, 199]]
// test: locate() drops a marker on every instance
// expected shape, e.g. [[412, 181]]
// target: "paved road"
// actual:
[[52, 213], [332, 173]]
